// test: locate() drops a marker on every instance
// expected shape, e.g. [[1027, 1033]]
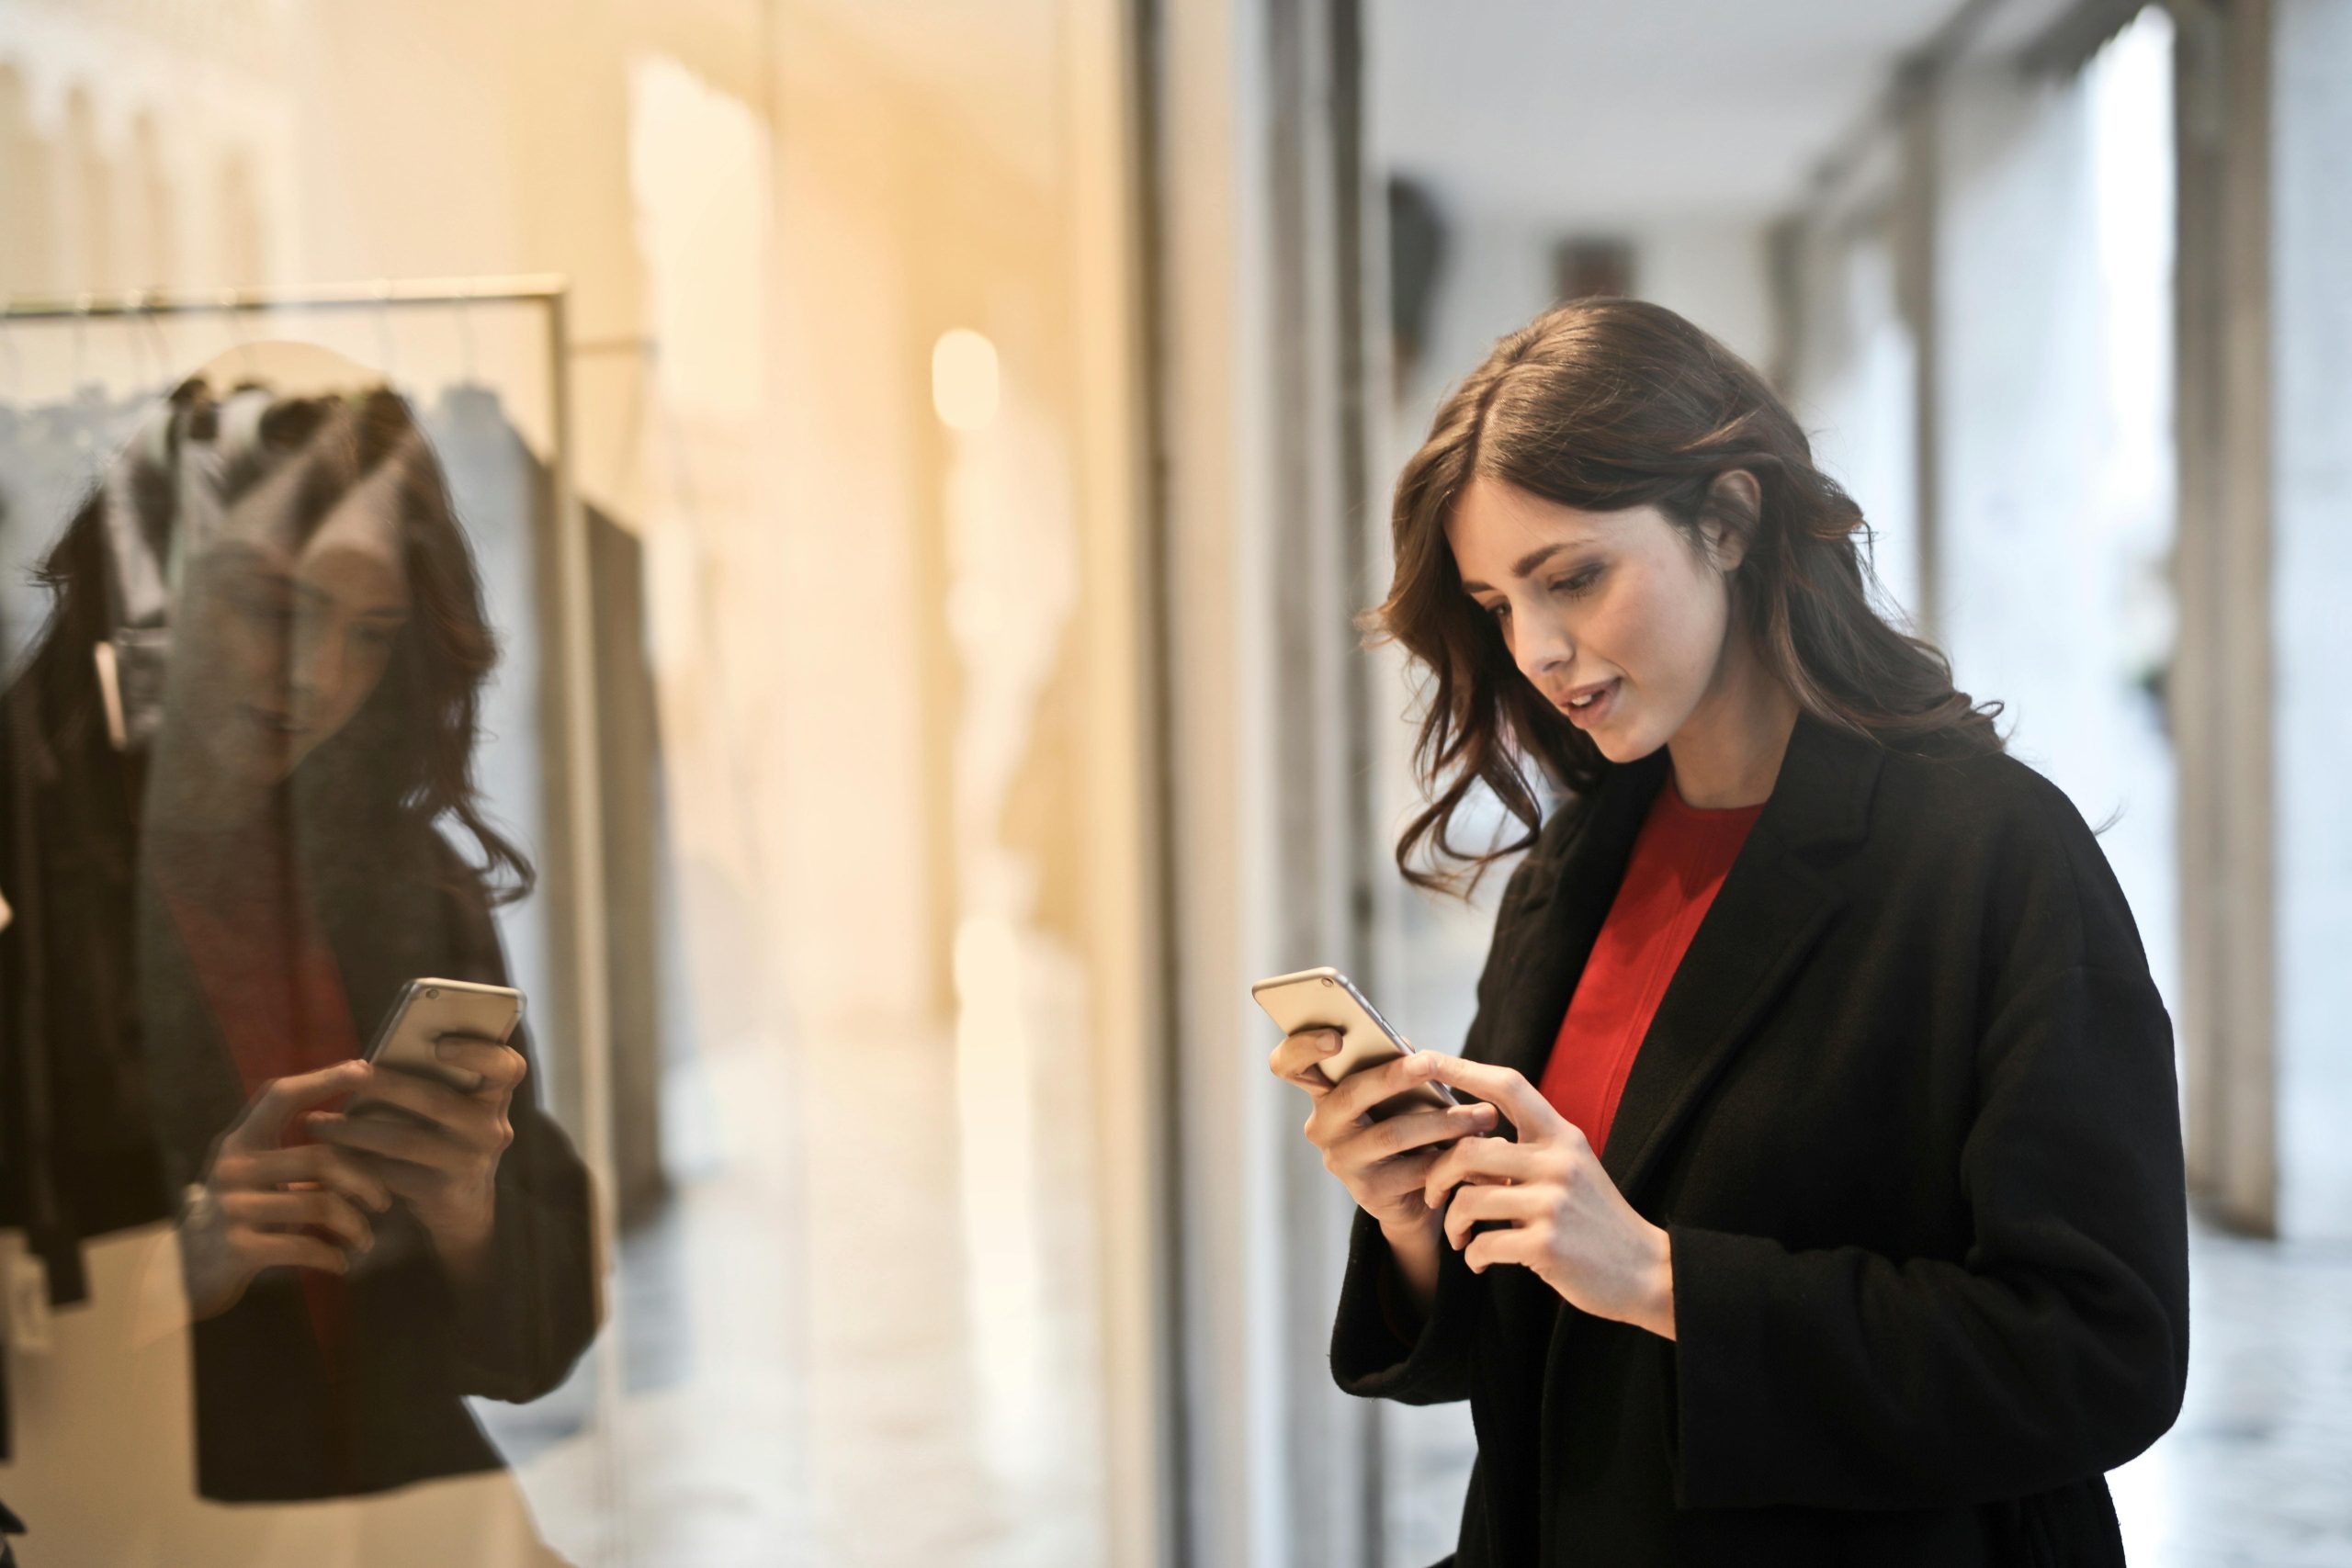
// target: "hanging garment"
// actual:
[[51, 457], [505, 495], [117, 1075]]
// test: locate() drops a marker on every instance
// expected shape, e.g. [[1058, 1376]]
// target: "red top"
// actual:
[[275, 990], [259, 955], [1678, 860]]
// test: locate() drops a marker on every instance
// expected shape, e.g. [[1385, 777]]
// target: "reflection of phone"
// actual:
[[428, 1009], [1325, 999]]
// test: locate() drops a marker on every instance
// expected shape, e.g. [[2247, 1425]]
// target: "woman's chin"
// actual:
[[257, 765]]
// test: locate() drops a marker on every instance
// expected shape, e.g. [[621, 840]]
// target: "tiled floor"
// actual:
[[2257, 1472], [832, 1355]]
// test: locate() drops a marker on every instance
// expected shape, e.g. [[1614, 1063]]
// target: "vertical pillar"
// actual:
[[1917, 192], [1256, 216], [2310, 579], [2219, 694]]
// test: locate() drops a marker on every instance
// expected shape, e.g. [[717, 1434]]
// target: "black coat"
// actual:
[[1907, 1113], [115, 1082]]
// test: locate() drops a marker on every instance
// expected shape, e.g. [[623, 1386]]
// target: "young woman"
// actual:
[[225, 862], [1819, 1198]]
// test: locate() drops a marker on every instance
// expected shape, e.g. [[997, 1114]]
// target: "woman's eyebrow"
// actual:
[[238, 555], [1525, 564], [312, 594]]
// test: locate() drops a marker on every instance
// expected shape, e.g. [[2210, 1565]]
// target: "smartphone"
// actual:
[[1325, 999], [428, 1009]]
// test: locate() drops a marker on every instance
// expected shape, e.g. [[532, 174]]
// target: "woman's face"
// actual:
[[286, 638], [1609, 602]]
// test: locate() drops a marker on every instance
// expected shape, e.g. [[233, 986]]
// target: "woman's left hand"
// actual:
[[441, 1157], [1568, 1223]]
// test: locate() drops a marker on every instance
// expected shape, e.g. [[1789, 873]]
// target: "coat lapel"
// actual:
[[1551, 932], [1773, 906]]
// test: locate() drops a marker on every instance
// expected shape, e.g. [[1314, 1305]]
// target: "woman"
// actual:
[[1817, 1197], [227, 855]]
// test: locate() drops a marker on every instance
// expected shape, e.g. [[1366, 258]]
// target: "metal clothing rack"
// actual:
[[582, 792]]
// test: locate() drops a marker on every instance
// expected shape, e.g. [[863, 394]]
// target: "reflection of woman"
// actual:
[[1837, 1213], [213, 921]]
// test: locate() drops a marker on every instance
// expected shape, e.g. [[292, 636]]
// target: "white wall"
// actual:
[[2054, 510], [2312, 588]]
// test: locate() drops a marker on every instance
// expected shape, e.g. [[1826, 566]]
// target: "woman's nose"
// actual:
[[318, 665], [1541, 650]]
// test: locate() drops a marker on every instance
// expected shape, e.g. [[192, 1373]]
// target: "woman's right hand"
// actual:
[[261, 1198], [1384, 1165]]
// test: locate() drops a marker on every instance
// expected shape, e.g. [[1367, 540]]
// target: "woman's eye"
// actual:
[[1577, 583], [269, 612], [1498, 611]]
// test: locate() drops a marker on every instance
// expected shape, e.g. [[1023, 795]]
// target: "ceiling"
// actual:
[[1580, 111]]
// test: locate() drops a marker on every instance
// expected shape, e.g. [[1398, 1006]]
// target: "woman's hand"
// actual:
[[441, 1156], [1567, 1220], [1384, 1165], [260, 1200]]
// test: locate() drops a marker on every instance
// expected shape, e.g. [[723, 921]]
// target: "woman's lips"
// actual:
[[273, 724], [1584, 717]]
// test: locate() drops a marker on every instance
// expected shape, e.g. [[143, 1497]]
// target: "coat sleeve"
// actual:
[[2055, 1350], [1370, 1356], [518, 1331], [520, 1328]]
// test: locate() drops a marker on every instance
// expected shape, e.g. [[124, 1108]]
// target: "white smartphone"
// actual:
[[428, 1009], [1325, 999]]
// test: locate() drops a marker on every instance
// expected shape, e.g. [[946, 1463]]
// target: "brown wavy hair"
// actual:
[[404, 761], [1605, 404]]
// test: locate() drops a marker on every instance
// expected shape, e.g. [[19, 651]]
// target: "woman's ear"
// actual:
[[1735, 501]]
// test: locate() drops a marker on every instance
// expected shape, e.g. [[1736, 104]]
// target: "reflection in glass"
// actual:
[[240, 814]]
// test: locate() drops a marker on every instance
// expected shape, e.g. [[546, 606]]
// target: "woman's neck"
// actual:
[[194, 799], [1728, 751]]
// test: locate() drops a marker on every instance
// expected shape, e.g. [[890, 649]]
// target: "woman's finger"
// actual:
[[263, 1125], [424, 1098], [315, 1163], [289, 1250], [1390, 1181], [1479, 1159], [393, 1140], [315, 1206], [501, 1068], [1489, 1247], [1483, 1201], [1367, 1087], [1416, 1129], [1297, 1057], [1506, 1087]]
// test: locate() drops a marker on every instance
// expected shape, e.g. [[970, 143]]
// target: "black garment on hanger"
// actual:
[[116, 1082]]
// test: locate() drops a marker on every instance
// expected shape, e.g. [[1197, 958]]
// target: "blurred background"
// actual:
[[923, 457]]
